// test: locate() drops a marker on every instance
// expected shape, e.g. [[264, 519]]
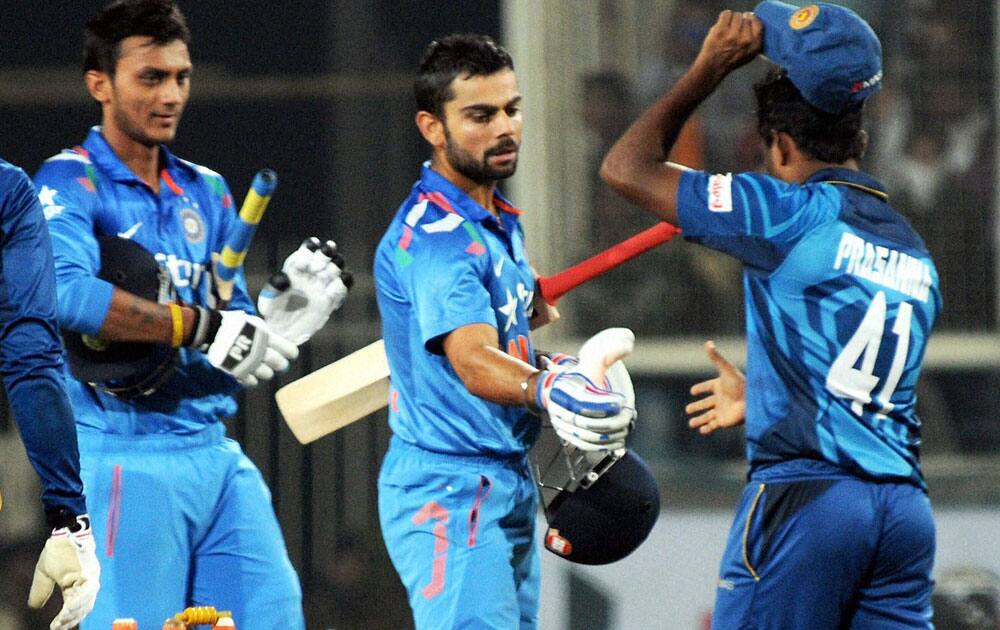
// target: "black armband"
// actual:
[[62, 517], [206, 325]]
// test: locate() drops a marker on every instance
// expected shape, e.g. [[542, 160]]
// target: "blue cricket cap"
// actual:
[[831, 55]]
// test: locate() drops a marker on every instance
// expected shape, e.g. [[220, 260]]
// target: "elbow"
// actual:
[[613, 172]]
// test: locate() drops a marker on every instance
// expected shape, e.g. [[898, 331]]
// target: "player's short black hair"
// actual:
[[833, 138], [460, 54], [160, 19]]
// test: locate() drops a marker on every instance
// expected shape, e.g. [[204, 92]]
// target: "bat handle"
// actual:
[[240, 235], [602, 350], [555, 286]]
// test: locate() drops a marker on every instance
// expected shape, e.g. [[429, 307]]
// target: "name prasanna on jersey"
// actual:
[[841, 297]]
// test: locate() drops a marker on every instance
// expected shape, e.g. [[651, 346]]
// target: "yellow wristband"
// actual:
[[177, 319]]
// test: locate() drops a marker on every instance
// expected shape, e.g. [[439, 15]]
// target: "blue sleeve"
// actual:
[[442, 279], [750, 216], [69, 205], [30, 350], [222, 199]]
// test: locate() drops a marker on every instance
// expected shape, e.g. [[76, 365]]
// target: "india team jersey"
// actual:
[[445, 262], [88, 191], [841, 296]]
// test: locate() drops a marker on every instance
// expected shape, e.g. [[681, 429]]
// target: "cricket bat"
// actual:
[[357, 385]]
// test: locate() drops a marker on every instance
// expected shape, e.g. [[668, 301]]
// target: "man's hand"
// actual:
[[311, 285], [588, 416], [725, 403], [243, 346], [734, 40], [69, 560]]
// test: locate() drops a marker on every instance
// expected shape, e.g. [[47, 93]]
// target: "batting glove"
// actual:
[[589, 417], [68, 559], [242, 345], [312, 284]]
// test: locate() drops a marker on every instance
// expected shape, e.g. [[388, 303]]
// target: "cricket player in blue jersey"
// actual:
[[456, 293], [834, 529], [31, 361], [181, 514]]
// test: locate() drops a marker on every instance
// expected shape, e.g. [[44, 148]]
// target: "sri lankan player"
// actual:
[[834, 529], [457, 501], [183, 516], [31, 362]]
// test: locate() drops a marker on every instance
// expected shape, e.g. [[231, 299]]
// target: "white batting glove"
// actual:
[[312, 284], [69, 559], [242, 345], [589, 417]]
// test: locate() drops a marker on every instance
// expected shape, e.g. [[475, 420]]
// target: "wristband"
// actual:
[[524, 394], [177, 321]]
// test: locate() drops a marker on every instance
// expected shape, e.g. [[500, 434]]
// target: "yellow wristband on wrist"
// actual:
[[177, 320]]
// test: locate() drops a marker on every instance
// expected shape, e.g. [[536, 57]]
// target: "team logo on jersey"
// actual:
[[194, 227], [720, 193], [803, 17]]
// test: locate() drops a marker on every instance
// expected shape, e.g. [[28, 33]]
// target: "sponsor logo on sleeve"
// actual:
[[720, 193]]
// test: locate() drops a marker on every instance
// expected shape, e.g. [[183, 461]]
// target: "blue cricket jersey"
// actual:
[[87, 191], [841, 296], [446, 262], [30, 350]]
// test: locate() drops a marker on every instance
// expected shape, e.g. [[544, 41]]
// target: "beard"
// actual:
[[480, 171]]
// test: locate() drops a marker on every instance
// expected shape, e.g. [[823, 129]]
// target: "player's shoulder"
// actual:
[[430, 215], [192, 172], [212, 182], [11, 175], [67, 164]]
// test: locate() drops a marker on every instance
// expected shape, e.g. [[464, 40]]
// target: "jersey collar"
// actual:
[[849, 177], [101, 153], [460, 202]]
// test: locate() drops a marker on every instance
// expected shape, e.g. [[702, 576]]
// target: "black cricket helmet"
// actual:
[[608, 520], [125, 369]]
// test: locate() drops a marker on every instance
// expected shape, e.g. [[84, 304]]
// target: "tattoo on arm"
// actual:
[[143, 310]]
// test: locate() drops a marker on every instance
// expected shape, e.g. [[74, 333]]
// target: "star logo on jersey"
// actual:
[[129, 233], [47, 197], [509, 310]]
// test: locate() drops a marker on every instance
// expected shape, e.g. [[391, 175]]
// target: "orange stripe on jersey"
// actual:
[[506, 207], [523, 343], [171, 184]]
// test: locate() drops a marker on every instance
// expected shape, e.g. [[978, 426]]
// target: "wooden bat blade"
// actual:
[[336, 395]]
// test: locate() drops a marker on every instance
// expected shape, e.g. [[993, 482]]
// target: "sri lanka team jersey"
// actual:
[[445, 262], [88, 191], [841, 296]]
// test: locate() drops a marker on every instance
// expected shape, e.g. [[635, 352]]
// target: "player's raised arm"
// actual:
[[636, 165]]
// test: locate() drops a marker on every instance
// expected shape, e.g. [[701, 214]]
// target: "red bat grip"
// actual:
[[555, 286]]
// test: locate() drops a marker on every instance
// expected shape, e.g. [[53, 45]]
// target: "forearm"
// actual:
[[45, 421], [485, 370], [497, 377], [132, 318], [636, 165]]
